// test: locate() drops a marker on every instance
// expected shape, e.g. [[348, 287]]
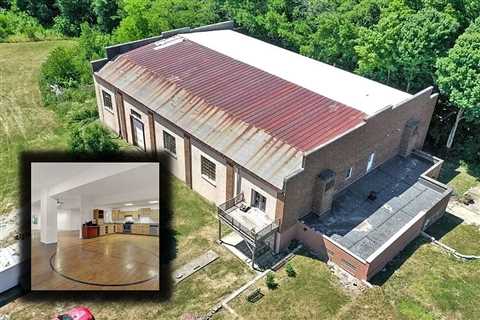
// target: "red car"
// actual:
[[78, 313]]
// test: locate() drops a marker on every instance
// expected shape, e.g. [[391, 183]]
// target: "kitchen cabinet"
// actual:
[[118, 228], [101, 230], [98, 216]]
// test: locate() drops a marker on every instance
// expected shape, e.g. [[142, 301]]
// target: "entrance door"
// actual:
[[258, 201], [138, 133], [370, 161]]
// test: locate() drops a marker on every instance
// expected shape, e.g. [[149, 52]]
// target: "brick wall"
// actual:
[[380, 134]]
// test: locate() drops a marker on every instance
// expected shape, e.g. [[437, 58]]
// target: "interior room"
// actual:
[[95, 226]]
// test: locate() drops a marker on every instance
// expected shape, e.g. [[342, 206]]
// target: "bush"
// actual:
[[290, 270], [16, 26], [82, 115], [92, 138], [61, 69], [270, 281]]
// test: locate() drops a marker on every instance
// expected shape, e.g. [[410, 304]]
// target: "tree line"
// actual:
[[407, 44]]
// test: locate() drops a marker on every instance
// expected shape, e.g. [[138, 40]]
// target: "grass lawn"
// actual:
[[196, 228], [313, 294], [24, 123], [458, 176], [423, 282]]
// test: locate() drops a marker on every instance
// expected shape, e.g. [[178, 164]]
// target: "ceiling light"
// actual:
[[153, 201], [129, 204]]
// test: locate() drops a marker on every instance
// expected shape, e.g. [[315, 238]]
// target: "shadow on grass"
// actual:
[[444, 225], [381, 277]]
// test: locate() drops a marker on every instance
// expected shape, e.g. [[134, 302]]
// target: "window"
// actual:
[[107, 101], [135, 113], [348, 174], [169, 143], [371, 157], [138, 132], [208, 168], [258, 201]]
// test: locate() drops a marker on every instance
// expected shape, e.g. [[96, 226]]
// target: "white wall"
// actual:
[[110, 118], [177, 162], [248, 182], [146, 128], [68, 219], [212, 191]]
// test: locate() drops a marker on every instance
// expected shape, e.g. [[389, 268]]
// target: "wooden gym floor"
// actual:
[[111, 262]]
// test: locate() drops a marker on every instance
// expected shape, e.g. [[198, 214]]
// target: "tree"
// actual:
[[458, 76], [333, 41], [92, 138], [74, 13], [107, 15], [45, 11], [401, 50], [144, 18]]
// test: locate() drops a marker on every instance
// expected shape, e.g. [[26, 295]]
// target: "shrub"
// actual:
[[82, 114], [270, 281], [18, 26], [61, 69], [92, 138], [290, 270]]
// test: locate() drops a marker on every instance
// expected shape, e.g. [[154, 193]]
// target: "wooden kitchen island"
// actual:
[[93, 231]]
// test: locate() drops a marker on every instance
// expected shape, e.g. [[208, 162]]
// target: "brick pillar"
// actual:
[[121, 115], [151, 125], [323, 192], [409, 138], [188, 160], [230, 177]]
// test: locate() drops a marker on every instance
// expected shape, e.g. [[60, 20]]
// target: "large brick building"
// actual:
[[286, 146]]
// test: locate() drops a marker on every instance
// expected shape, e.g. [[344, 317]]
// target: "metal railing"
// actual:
[[226, 207]]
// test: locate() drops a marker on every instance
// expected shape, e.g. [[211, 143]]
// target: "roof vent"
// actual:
[[167, 42]]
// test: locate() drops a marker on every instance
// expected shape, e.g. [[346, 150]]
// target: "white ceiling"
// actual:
[[137, 183]]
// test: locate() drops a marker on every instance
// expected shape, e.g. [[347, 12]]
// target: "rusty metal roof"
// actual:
[[258, 120]]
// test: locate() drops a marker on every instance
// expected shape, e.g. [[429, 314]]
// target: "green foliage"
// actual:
[[92, 138], [44, 10], [333, 40], [61, 68], [290, 270], [106, 12], [144, 18], [270, 281], [18, 26], [73, 14], [82, 114], [458, 74], [402, 48]]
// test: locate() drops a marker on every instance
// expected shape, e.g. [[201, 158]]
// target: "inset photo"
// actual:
[[95, 226]]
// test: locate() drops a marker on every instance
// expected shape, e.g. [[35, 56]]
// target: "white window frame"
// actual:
[[253, 200], [205, 176], [104, 92], [349, 173], [371, 159], [169, 135]]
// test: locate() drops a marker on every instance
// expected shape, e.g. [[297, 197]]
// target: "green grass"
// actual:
[[314, 293], [196, 226], [464, 239], [422, 283], [25, 124], [458, 176]]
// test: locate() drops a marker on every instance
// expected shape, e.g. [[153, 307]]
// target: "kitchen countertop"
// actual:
[[147, 223]]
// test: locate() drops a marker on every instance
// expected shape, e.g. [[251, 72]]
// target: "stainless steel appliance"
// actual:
[[154, 229], [127, 227]]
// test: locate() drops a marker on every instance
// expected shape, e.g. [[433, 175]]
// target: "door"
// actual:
[[138, 133], [258, 201], [370, 161]]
